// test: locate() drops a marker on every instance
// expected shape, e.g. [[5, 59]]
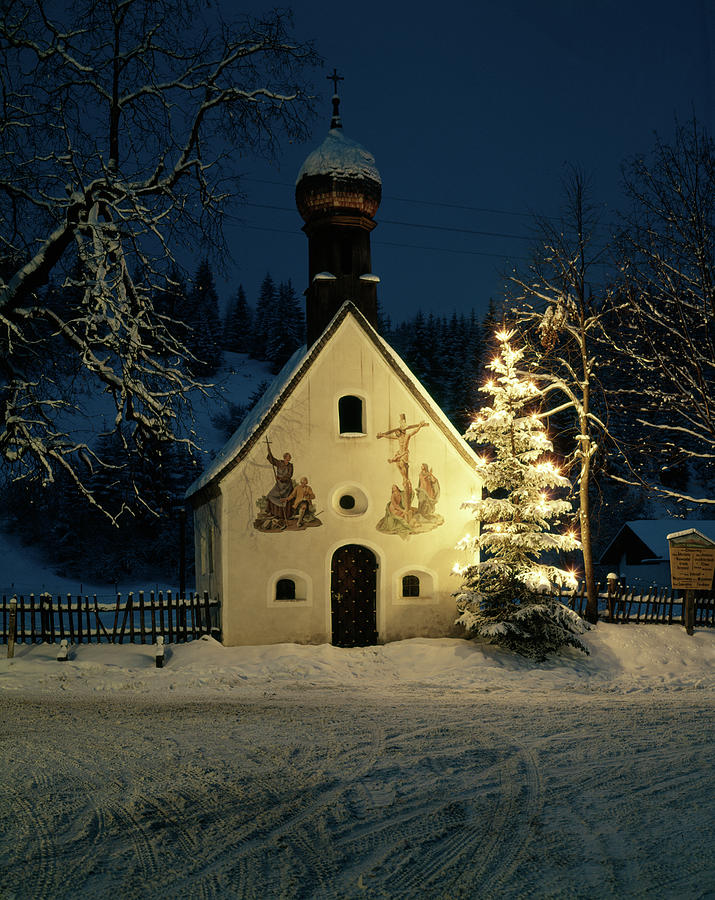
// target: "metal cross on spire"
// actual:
[[335, 78]]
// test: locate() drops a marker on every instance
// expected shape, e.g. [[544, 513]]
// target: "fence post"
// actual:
[[142, 630], [161, 612], [33, 623], [689, 612], [100, 625], [11, 628], [69, 618], [116, 618], [44, 620], [79, 618], [88, 619], [131, 618], [127, 610], [182, 551], [153, 617], [171, 620]]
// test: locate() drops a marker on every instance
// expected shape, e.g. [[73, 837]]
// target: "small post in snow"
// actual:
[[63, 652], [159, 652], [612, 583]]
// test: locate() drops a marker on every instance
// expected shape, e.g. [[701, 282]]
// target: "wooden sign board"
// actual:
[[692, 561]]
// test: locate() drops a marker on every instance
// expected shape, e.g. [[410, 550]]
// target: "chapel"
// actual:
[[333, 513]]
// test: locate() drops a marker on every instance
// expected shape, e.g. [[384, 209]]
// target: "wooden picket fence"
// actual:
[[140, 618], [660, 606]]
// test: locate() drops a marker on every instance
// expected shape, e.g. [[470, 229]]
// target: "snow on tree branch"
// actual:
[[664, 325], [121, 124], [502, 597]]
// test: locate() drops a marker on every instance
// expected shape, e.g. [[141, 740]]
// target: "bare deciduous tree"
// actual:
[[665, 325], [564, 323], [121, 125]]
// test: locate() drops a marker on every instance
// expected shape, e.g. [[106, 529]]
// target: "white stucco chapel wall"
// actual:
[[307, 427]]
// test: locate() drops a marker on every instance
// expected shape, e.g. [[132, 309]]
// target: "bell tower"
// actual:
[[338, 191]]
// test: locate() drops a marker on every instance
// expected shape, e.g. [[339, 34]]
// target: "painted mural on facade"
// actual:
[[410, 511], [289, 505]]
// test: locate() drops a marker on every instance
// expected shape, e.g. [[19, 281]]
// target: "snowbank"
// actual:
[[623, 659]]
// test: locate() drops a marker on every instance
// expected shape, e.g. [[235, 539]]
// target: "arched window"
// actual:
[[285, 589], [350, 415], [410, 586]]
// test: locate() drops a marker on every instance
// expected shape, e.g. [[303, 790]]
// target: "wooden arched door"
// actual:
[[353, 591]]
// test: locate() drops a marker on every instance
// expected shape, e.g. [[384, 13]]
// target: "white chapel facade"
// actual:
[[333, 513]]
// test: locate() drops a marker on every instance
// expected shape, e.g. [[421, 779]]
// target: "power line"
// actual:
[[378, 242], [456, 230], [452, 250], [518, 237], [504, 212], [481, 209]]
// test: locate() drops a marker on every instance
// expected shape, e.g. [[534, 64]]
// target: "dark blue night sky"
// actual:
[[473, 112]]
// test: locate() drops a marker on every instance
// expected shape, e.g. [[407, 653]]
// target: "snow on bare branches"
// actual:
[[121, 122], [563, 320], [665, 332]]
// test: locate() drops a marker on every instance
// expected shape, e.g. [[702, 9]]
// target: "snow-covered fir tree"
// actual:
[[237, 324], [207, 334], [288, 327], [264, 317], [504, 597]]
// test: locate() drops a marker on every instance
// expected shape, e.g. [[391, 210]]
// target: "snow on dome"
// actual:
[[340, 157]]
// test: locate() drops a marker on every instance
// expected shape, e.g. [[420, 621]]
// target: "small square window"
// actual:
[[410, 586]]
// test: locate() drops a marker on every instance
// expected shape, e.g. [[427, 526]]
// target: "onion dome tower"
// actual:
[[337, 193]]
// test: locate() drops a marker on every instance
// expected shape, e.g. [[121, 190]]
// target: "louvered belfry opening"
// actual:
[[353, 590]]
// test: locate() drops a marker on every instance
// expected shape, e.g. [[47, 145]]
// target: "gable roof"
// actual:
[[287, 380], [652, 534]]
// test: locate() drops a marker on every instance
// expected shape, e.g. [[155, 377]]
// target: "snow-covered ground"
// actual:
[[424, 768]]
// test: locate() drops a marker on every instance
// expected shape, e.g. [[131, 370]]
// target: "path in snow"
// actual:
[[336, 793]]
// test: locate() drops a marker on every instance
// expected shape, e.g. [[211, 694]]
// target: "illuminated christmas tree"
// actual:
[[505, 594]]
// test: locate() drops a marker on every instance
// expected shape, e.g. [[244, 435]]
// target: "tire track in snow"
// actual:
[[295, 819], [422, 799], [415, 850], [39, 866], [513, 820]]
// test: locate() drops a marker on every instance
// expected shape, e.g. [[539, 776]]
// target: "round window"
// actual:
[[349, 500]]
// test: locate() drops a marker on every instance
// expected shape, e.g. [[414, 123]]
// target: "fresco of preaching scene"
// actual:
[[289, 505], [410, 511]]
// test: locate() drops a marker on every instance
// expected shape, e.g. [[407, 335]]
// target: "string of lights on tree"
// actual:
[[505, 593]]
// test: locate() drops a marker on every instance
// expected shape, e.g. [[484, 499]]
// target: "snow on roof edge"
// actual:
[[689, 531], [250, 423]]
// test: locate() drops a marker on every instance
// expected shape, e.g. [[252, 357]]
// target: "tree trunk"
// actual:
[[591, 614]]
